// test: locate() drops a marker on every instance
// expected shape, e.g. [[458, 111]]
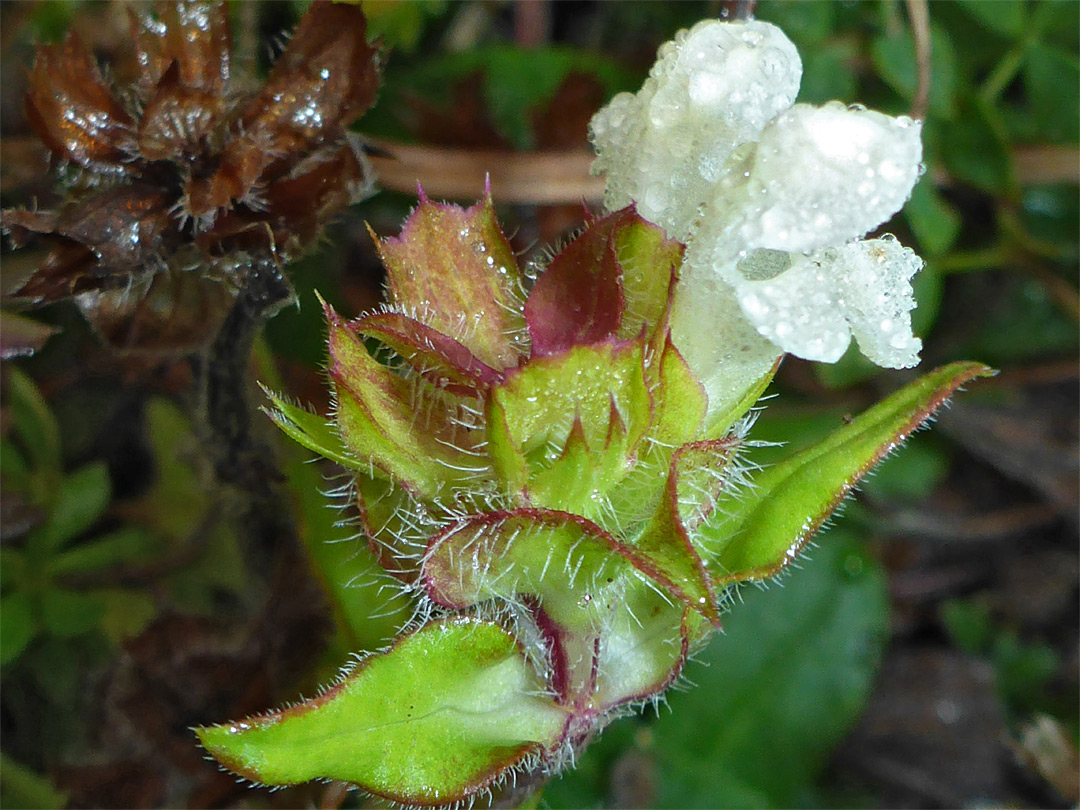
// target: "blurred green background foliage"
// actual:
[[937, 617]]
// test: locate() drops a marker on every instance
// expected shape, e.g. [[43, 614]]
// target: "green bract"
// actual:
[[535, 469]]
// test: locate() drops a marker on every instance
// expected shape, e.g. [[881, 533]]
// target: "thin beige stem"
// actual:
[[920, 27]]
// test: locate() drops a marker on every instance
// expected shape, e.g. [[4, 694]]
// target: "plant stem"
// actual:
[[238, 459]]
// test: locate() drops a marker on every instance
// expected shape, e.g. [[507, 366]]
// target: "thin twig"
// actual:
[[738, 9], [920, 27]]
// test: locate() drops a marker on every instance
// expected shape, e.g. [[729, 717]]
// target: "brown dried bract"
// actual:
[[182, 174]]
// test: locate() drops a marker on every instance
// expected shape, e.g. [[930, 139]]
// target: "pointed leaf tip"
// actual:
[[466, 709], [761, 530]]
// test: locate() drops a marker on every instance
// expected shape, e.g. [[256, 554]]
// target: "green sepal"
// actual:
[[438, 717], [394, 522], [759, 530], [382, 419], [719, 424], [541, 401], [568, 562], [438, 358], [649, 262], [668, 542], [310, 430], [679, 399], [644, 647], [582, 475], [449, 261]]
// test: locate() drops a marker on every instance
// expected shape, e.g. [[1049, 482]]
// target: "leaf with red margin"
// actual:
[[644, 646], [649, 263], [439, 359], [74, 112], [587, 589], [454, 269], [755, 533], [437, 718], [667, 542], [379, 420], [578, 300]]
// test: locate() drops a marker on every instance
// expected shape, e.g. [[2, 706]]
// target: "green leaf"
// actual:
[[125, 613], [1052, 81], [438, 717], [975, 148], [17, 625], [780, 687], [969, 625], [1023, 670], [67, 613], [127, 545], [83, 497], [33, 421], [1003, 17], [826, 71], [759, 531], [936, 224], [311, 430], [22, 787], [894, 58], [400, 25]]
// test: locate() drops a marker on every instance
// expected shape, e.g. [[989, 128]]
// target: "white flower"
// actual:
[[771, 198]]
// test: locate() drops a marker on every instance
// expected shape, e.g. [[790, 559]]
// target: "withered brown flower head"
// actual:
[[181, 181]]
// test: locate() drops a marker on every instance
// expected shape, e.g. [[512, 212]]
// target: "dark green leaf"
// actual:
[[83, 497], [17, 625], [968, 623], [783, 683], [975, 149], [1004, 17], [911, 475], [127, 545], [1052, 81], [935, 223], [70, 613]]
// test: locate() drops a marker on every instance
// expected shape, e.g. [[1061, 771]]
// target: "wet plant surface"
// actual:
[[924, 656]]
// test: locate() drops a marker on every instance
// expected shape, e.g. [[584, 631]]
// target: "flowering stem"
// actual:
[[224, 378], [920, 28]]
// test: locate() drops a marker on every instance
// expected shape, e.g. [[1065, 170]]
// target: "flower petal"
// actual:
[[822, 176], [872, 280], [712, 88], [796, 309], [721, 347]]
